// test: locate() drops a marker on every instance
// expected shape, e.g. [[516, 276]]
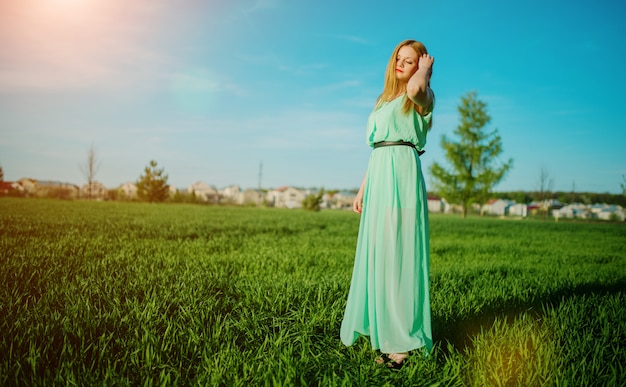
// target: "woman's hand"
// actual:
[[357, 205], [425, 66], [418, 88]]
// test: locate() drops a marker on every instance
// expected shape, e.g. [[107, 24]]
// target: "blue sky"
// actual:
[[212, 89]]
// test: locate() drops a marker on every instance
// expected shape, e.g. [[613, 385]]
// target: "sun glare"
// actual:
[[65, 7], [67, 2]]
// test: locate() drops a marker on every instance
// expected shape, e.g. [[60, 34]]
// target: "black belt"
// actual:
[[392, 143]]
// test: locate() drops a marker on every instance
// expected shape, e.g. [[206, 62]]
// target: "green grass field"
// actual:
[[140, 294]]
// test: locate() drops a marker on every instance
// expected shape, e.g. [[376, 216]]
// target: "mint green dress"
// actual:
[[389, 298]]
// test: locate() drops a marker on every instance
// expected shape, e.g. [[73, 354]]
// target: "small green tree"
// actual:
[[152, 185], [545, 187], [313, 202], [474, 165], [89, 170]]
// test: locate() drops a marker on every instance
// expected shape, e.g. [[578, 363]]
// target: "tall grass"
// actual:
[[139, 294]]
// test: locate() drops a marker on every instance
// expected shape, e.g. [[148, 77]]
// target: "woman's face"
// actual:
[[406, 63]]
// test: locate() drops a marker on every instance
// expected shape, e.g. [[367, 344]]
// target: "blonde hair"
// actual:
[[392, 86]]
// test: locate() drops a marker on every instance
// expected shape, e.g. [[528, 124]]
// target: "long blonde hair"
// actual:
[[392, 86]]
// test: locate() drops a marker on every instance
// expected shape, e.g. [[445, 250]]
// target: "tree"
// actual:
[[1, 173], [475, 169], [545, 187], [623, 184], [312, 202], [90, 168], [152, 185]]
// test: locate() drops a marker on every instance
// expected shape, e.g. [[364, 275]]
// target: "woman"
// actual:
[[389, 298]]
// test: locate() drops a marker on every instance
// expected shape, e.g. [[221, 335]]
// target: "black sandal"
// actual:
[[394, 365], [389, 362], [383, 359]]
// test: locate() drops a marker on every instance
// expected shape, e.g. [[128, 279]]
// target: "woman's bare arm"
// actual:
[[417, 89], [357, 205]]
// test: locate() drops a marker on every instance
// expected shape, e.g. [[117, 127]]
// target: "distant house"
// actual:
[[286, 197], [553, 203], [518, 209], [612, 212], [8, 188], [344, 199], [56, 189], [338, 200], [533, 208], [231, 194], [128, 190], [594, 211], [204, 192], [252, 196], [607, 212], [234, 195], [328, 200], [544, 206], [597, 209], [95, 190], [436, 204], [564, 212], [29, 186], [503, 207], [574, 210], [498, 207]]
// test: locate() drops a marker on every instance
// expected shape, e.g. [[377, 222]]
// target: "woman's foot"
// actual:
[[397, 360], [383, 358], [393, 360]]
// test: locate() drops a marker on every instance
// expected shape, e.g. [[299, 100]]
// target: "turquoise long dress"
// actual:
[[389, 297]]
